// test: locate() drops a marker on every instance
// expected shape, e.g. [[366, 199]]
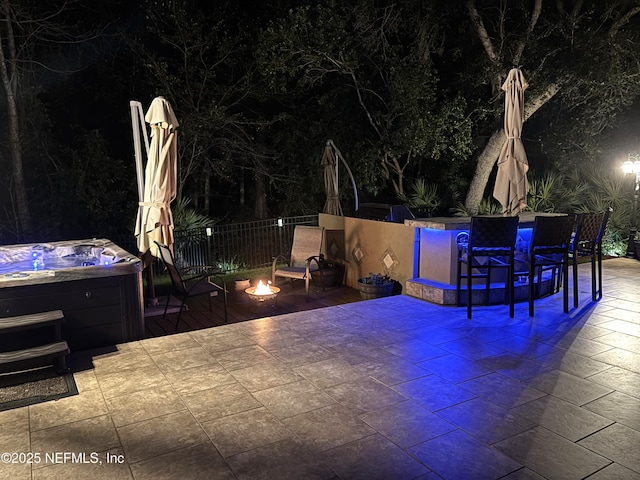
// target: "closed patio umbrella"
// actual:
[[155, 222], [332, 156], [511, 185], [329, 162]]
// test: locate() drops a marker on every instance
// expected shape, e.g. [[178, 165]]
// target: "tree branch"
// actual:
[[535, 14], [623, 21], [531, 107], [349, 71], [477, 22], [577, 8]]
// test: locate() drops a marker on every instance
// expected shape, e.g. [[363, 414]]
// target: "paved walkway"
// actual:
[[392, 388]]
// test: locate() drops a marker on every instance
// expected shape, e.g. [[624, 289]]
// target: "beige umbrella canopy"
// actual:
[[155, 222], [329, 162], [511, 186]]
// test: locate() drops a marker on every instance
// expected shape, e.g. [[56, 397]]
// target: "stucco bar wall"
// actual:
[[378, 243]]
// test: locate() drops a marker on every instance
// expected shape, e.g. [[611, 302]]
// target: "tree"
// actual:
[[38, 42], [12, 50], [199, 58], [557, 49], [367, 62]]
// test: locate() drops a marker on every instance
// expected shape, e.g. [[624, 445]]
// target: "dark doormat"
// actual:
[[28, 388]]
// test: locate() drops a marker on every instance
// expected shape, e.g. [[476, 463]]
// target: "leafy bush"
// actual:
[[233, 264]]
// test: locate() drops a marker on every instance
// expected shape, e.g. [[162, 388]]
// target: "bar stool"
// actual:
[[549, 251], [587, 242], [492, 241]]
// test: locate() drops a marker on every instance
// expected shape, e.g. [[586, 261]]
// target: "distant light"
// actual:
[[280, 222], [632, 166], [209, 232]]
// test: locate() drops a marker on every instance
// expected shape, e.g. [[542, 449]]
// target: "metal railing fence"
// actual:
[[234, 246]]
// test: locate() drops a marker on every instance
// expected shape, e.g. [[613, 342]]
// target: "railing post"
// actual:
[[209, 258], [280, 227]]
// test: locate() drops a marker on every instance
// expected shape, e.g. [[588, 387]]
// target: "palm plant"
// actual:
[[592, 188], [188, 218], [488, 206], [193, 224], [424, 197], [545, 193]]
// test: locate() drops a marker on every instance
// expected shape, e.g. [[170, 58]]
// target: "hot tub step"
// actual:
[[34, 357], [31, 348], [34, 320]]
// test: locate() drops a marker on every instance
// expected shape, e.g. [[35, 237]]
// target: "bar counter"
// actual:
[[438, 250]]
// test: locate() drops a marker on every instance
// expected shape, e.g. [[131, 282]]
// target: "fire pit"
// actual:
[[263, 294]]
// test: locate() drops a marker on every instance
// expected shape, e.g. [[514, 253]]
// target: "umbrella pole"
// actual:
[[152, 300], [148, 271], [353, 182], [138, 124]]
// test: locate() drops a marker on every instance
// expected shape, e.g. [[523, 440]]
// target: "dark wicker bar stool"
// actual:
[[491, 246], [587, 242], [549, 251]]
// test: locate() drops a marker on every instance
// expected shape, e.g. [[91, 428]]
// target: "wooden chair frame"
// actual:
[[305, 253]]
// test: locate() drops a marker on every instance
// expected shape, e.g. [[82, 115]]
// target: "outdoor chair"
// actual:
[[491, 246], [587, 242], [191, 281], [549, 252], [305, 252]]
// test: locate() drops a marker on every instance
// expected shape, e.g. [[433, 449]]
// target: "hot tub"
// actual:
[[97, 285]]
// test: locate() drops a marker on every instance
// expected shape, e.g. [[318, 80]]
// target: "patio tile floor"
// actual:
[[391, 388]]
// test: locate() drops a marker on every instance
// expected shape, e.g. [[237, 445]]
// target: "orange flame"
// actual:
[[263, 289]]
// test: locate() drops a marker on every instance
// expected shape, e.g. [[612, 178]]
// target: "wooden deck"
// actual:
[[240, 308]]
